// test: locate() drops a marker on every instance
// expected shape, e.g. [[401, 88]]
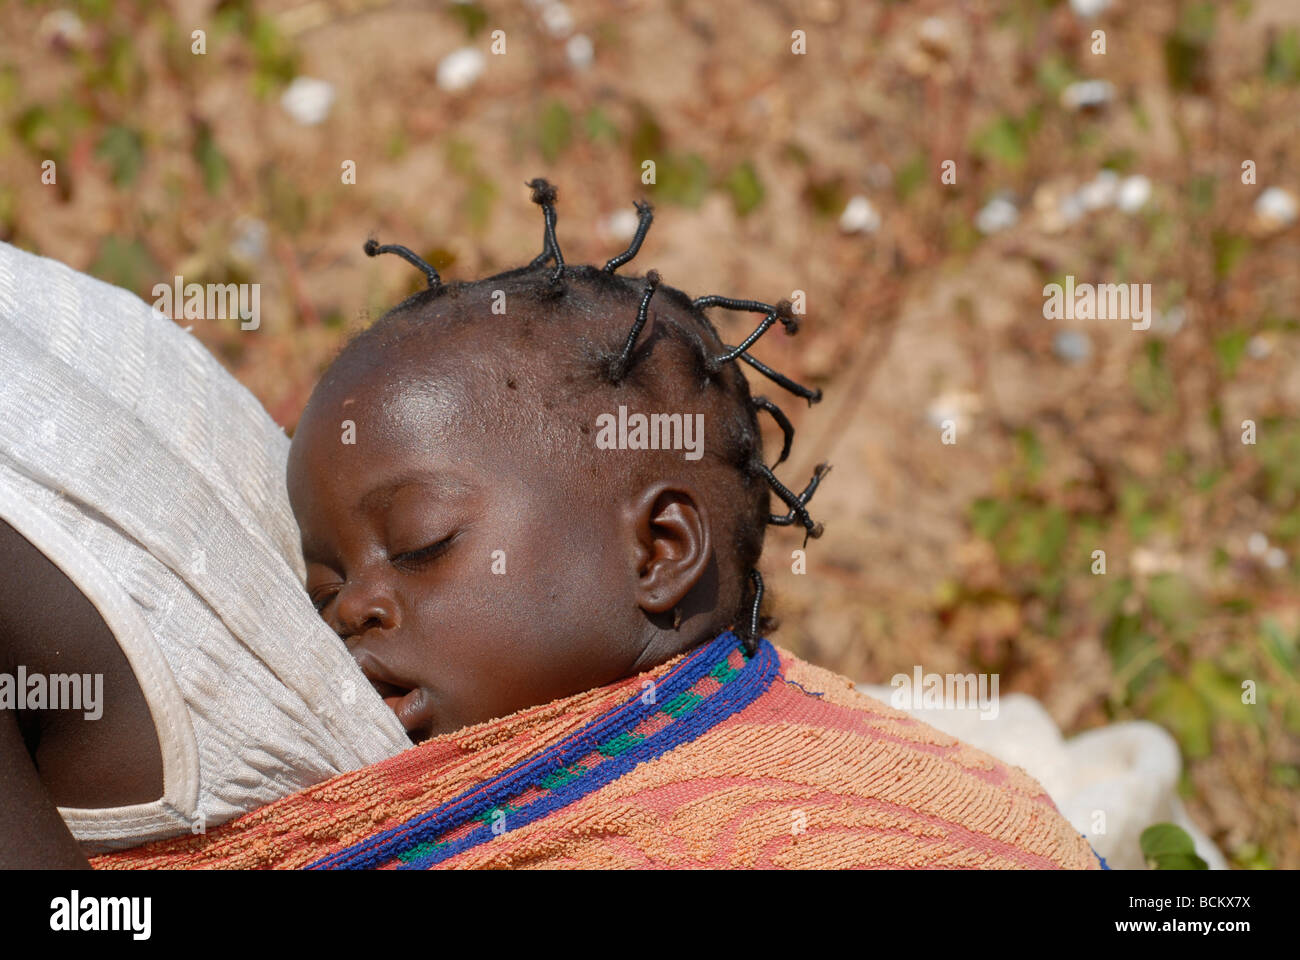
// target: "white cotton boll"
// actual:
[[1087, 93], [579, 50], [1101, 191], [1072, 208], [557, 19], [998, 214], [1275, 558], [1087, 9], [249, 241], [1258, 347], [1072, 346], [1276, 208], [622, 224], [958, 406], [1170, 321], [936, 37], [308, 100], [63, 26], [1257, 544], [1146, 562], [461, 68], [859, 216], [1134, 193]]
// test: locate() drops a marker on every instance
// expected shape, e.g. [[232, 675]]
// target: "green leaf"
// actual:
[[275, 61], [988, 516], [210, 159], [1230, 348], [1163, 839], [123, 150], [1001, 140], [745, 188], [480, 202], [1285, 776], [1152, 382], [1173, 600], [1207, 479], [1133, 500], [647, 139], [1054, 75], [1187, 49], [1222, 693], [287, 204], [1229, 248], [826, 196], [1200, 193], [1167, 846], [1132, 648], [1280, 648], [1279, 453], [598, 126], [1031, 449], [1178, 707], [471, 16], [910, 176], [124, 263], [1053, 532], [1288, 528], [460, 157], [120, 69], [555, 131], [683, 179], [1251, 856], [1282, 63]]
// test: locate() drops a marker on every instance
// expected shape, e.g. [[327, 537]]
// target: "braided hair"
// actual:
[[714, 370]]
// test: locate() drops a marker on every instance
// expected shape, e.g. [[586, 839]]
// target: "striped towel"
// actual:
[[714, 760]]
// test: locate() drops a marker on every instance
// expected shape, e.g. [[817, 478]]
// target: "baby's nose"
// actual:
[[358, 609]]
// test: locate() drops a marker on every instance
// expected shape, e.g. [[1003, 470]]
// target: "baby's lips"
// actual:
[[387, 691], [413, 708], [378, 677]]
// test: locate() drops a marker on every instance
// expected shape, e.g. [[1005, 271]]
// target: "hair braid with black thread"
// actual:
[[717, 370]]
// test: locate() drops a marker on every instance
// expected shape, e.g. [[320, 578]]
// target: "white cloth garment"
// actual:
[[155, 482]]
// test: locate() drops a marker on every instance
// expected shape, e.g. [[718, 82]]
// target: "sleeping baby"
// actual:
[[564, 610]]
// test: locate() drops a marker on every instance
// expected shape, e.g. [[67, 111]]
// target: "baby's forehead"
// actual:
[[552, 353], [438, 395], [535, 376]]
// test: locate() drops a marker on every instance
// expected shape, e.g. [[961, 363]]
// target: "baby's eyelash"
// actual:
[[423, 556], [321, 602]]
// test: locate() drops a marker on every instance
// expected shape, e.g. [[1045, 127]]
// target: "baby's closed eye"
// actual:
[[413, 560]]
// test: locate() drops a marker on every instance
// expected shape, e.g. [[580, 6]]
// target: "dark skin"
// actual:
[[399, 530], [52, 758]]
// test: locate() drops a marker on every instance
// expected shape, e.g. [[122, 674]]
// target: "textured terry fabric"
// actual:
[[155, 481], [711, 760]]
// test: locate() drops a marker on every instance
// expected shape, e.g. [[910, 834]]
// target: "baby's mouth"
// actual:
[[412, 705], [388, 691]]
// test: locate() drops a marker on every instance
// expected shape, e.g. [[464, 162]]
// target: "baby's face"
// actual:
[[470, 573]]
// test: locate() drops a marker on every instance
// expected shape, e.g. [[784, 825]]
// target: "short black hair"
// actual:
[[588, 290]]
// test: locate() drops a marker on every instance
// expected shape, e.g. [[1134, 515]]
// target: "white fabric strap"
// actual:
[[122, 429]]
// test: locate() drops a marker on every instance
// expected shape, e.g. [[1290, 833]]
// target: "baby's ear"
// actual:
[[674, 545]]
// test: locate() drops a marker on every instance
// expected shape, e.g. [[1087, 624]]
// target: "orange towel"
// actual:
[[711, 760]]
